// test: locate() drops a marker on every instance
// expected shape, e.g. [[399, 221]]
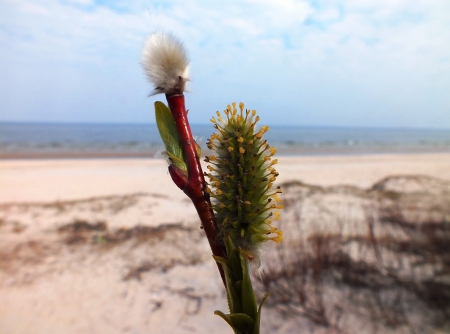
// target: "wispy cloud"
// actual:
[[358, 62]]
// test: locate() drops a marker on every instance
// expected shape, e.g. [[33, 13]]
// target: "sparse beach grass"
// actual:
[[360, 257]]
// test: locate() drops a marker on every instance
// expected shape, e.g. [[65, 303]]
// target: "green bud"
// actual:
[[169, 135]]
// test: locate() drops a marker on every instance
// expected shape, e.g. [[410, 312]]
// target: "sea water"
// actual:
[[54, 140]]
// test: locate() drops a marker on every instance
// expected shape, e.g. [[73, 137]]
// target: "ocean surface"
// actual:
[[39, 140]]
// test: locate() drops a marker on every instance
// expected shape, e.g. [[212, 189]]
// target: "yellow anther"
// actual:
[[279, 236], [241, 150], [213, 120], [269, 185], [210, 168], [240, 139], [264, 128], [250, 142], [219, 192], [273, 206], [230, 149], [212, 158], [276, 198], [274, 162], [266, 158], [257, 119], [247, 202], [219, 117], [280, 206], [234, 108], [253, 112], [273, 150], [241, 106], [277, 215]]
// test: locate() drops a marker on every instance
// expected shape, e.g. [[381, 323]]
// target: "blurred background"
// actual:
[[96, 239], [334, 63], [344, 76]]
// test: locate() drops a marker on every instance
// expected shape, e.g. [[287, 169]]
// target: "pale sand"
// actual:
[[51, 285], [51, 180]]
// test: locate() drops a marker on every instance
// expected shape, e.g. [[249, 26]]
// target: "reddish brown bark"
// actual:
[[195, 186]]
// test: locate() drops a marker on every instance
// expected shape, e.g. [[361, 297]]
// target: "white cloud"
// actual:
[[263, 51]]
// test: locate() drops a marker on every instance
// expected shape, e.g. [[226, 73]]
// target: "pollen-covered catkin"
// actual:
[[241, 179]]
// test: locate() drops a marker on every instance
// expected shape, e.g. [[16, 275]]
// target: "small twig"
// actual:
[[195, 186]]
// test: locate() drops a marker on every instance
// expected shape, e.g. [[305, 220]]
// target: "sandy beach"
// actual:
[[112, 246]]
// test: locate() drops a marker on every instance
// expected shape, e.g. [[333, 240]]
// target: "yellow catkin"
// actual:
[[242, 167]]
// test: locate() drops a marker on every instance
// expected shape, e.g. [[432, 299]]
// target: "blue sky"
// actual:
[[370, 63]]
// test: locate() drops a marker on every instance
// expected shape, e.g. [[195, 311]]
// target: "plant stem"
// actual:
[[195, 186]]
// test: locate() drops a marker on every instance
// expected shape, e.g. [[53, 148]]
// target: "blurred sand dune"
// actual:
[[112, 246]]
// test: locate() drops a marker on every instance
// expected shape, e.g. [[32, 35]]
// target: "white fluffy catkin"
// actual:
[[165, 62]]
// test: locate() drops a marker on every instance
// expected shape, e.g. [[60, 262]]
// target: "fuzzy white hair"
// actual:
[[165, 62]]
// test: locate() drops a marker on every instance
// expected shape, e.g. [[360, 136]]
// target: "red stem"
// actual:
[[195, 187]]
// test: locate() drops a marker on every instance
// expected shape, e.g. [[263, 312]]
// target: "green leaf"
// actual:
[[169, 135], [179, 162], [249, 305], [258, 317], [233, 259], [226, 317], [234, 302], [240, 322]]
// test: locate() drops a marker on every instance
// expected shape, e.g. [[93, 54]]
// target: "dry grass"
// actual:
[[390, 273]]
